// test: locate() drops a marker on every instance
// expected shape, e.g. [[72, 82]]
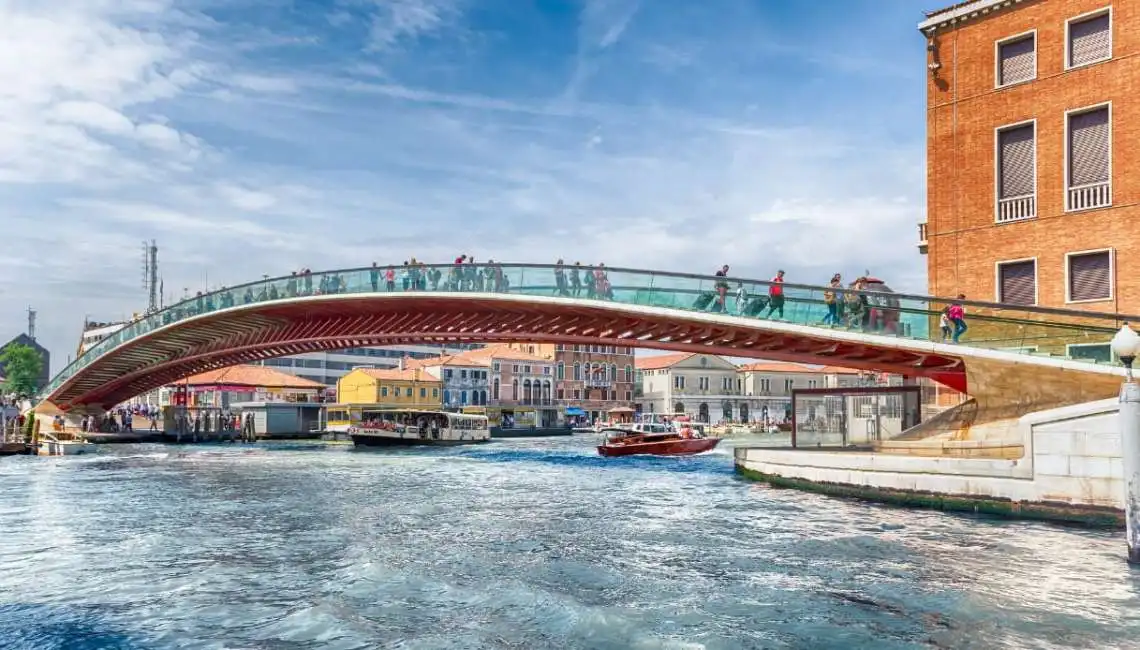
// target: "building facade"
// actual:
[[771, 385], [710, 388], [238, 384], [592, 382], [1031, 113], [522, 387], [706, 387], [465, 380], [408, 388]]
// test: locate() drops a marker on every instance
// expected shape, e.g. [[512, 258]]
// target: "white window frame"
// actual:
[[1036, 279], [997, 165], [1066, 144], [1111, 277], [998, 85], [1088, 15], [1111, 355]]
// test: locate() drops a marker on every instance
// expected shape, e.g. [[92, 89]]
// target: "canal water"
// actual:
[[525, 544]]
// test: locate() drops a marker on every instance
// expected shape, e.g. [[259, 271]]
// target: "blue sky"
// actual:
[[256, 137]]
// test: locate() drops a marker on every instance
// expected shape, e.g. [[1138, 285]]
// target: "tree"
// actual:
[[22, 366]]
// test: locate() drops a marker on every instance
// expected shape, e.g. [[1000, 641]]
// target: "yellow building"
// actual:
[[390, 388]]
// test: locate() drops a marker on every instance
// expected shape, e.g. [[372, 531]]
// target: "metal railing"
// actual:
[[893, 314]]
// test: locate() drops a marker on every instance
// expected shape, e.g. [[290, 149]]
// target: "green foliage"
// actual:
[[22, 365]]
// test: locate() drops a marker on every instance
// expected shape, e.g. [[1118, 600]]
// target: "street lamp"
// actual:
[[1126, 344]]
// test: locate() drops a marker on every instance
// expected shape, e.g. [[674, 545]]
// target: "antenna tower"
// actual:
[[31, 323]]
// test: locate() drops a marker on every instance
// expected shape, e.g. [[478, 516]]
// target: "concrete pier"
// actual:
[[1071, 470]]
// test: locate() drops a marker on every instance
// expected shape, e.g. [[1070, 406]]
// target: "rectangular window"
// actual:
[[435, 392], [1101, 352], [1016, 60], [1017, 173], [383, 391], [1090, 39], [423, 393], [515, 368], [1017, 282], [1089, 276], [577, 393], [408, 391], [1089, 155]]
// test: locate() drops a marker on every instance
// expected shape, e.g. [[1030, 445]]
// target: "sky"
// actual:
[[254, 137]]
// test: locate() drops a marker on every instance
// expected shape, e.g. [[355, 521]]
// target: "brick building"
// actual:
[[1032, 118], [591, 381]]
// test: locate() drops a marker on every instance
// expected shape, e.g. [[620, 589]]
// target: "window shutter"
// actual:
[[1018, 283], [1090, 40], [1090, 276], [1016, 148], [1018, 61], [1088, 148]]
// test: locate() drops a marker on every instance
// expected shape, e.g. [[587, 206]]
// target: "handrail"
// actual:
[[706, 284]]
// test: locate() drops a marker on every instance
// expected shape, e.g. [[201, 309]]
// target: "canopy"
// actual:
[[621, 409], [574, 410]]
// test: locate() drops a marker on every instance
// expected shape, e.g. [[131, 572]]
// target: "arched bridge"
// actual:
[[1012, 357]]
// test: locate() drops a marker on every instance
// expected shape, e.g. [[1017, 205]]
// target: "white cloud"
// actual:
[[139, 119]]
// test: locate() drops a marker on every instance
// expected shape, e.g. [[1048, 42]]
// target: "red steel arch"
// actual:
[[265, 330]]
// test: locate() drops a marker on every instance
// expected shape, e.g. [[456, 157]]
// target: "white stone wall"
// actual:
[[1072, 455]]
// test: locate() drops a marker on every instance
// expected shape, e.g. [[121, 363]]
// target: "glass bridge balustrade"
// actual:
[[1082, 336]]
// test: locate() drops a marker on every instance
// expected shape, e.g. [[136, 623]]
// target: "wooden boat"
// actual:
[[630, 442]]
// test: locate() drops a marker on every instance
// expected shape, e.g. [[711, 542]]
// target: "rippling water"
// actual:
[[521, 544]]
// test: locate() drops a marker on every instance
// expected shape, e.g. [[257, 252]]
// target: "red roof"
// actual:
[[779, 366], [245, 375], [661, 361]]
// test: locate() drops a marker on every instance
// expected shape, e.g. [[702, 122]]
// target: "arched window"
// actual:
[[482, 398], [547, 390], [613, 372], [629, 373], [446, 396], [678, 408], [561, 373], [527, 394], [495, 388], [463, 398], [577, 372]]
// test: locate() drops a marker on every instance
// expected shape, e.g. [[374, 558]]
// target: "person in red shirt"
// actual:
[[776, 295]]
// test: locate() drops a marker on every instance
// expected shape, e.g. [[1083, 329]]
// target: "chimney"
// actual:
[[403, 363]]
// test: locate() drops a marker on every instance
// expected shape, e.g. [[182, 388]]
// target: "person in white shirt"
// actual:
[[741, 298]]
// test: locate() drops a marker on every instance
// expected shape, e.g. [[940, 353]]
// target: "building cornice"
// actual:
[[963, 13]]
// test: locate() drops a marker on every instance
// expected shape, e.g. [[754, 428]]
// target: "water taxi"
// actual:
[[398, 427], [655, 439]]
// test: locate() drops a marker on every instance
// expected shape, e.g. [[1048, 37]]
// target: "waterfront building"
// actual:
[[238, 384], [400, 387], [711, 388], [706, 387], [771, 383], [522, 387], [592, 382], [1031, 194], [465, 378]]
